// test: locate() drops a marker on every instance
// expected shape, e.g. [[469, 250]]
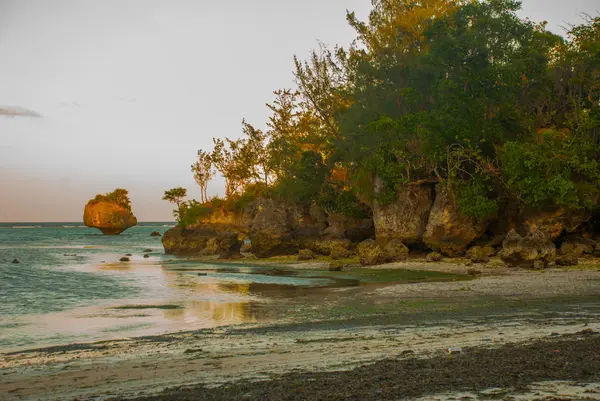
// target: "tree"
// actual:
[[120, 196], [203, 172], [175, 196], [459, 92], [226, 160]]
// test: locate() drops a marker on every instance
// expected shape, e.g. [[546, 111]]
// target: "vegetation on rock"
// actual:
[[461, 96], [110, 213], [119, 196]]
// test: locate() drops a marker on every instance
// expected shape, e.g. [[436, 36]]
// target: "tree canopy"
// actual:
[[120, 196], [461, 93]]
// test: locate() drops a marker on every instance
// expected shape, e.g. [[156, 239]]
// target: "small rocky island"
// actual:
[[110, 213]]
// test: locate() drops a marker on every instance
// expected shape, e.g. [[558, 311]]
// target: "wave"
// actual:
[[25, 227]]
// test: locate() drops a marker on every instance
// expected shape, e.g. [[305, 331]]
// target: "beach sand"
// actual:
[[406, 322]]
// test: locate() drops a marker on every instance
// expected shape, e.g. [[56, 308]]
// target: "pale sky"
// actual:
[[128, 90]]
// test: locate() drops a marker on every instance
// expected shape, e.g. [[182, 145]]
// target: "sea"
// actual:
[[71, 287]]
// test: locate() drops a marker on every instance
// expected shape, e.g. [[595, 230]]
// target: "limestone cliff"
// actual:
[[406, 218], [220, 233], [448, 230], [108, 216]]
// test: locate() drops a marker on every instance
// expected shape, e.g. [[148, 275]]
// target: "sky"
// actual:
[[96, 95]]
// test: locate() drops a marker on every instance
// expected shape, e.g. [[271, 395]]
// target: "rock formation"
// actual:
[[406, 218], [109, 216], [202, 240], [370, 253], [269, 230], [553, 223], [535, 250], [480, 254], [449, 231]]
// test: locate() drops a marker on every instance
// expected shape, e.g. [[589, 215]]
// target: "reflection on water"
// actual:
[[169, 297]]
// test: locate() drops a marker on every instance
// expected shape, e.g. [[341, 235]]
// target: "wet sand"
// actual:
[[350, 347]]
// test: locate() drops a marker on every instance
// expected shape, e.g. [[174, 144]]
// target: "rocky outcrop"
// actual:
[[567, 260], [108, 216], [448, 231], [370, 253], [395, 251], [305, 254], [480, 254], [340, 252], [406, 218], [270, 231], [576, 248], [535, 250], [433, 257], [202, 240], [553, 223]]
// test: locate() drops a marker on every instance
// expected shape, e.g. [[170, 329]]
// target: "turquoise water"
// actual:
[[48, 279], [70, 286]]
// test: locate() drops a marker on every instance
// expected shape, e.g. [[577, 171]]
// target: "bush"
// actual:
[[474, 198], [556, 172], [190, 212]]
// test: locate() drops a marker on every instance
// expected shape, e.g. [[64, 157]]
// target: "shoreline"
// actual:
[[422, 318]]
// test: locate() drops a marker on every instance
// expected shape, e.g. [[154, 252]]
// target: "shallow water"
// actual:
[[70, 287]]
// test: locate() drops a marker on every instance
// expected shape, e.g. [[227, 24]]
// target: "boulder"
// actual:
[[124, 259], [15, 261], [567, 260], [553, 223], [202, 240], [305, 254], [448, 231], [340, 252], [155, 234], [576, 248], [433, 257], [405, 218], [524, 251], [474, 272], [480, 254], [370, 253], [269, 231], [146, 256], [395, 251], [108, 216], [336, 266], [324, 246], [148, 250]]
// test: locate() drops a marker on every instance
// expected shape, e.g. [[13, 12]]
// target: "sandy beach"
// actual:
[[418, 321]]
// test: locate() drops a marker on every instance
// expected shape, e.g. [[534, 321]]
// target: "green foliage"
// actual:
[[305, 185], [190, 212], [175, 195], [203, 172], [474, 198], [120, 196], [555, 171], [344, 202], [459, 92]]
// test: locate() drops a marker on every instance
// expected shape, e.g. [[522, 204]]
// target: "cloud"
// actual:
[[16, 111]]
